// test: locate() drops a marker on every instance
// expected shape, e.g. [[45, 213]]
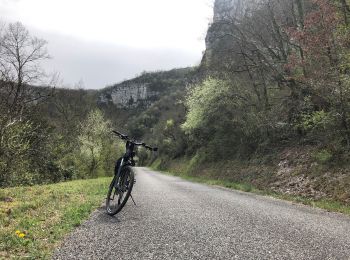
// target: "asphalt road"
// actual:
[[177, 219]]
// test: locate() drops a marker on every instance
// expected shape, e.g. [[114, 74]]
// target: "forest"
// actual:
[[269, 101]]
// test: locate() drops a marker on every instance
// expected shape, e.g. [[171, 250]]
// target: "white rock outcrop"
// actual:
[[129, 95]]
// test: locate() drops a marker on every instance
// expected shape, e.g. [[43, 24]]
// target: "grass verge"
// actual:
[[34, 219], [327, 204]]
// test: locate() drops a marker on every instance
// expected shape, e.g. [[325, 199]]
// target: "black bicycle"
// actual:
[[124, 177]]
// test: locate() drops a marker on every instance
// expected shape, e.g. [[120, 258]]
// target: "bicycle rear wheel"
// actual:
[[119, 191]]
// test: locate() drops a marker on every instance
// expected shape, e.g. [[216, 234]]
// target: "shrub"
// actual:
[[323, 156]]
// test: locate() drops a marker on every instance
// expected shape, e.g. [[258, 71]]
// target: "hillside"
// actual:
[[256, 119], [266, 112], [121, 102], [268, 106], [144, 90], [272, 114]]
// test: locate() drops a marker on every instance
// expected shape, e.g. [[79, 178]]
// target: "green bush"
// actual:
[[98, 148], [323, 156], [26, 154], [221, 120]]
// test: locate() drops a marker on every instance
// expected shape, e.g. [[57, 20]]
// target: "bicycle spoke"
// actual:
[[114, 194], [121, 189]]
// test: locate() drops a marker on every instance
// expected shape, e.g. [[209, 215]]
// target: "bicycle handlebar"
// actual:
[[125, 137]]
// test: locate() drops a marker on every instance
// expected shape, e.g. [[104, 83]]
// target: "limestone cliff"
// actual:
[[128, 95], [226, 12], [144, 90]]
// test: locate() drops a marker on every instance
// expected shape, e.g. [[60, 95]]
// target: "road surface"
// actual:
[[177, 219]]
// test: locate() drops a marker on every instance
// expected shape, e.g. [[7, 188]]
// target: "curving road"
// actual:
[[177, 219]]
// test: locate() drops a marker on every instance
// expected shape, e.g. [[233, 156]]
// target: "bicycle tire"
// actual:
[[126, 175]]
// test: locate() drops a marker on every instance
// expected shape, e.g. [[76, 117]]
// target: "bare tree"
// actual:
[[20, 70]]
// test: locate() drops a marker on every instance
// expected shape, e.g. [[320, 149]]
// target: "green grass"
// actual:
[[44, 214], [327, 204]]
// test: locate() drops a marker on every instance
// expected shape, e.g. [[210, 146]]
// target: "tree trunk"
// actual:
[[346, 11]]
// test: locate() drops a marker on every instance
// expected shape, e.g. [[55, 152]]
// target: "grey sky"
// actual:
[[102, 42]]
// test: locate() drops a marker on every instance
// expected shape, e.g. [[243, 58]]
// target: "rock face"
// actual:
[[226, 12], [224, 8], [144, 90], [128, 95]]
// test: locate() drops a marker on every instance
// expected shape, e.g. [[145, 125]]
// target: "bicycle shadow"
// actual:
[[102, 216], [124, 215]]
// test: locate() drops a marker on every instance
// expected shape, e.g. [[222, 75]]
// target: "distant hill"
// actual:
[[144, 90]]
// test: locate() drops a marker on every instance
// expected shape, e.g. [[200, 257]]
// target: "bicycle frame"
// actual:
[[126, 160], [119, 182], [128, 157]]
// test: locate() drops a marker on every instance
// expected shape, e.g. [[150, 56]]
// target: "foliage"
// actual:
[[27, 155], [323, 156], [282, 72], [20, 57], [275, 73], [209, 105], [173, 142], [26, 151], [318, 125], [96, 146], [223, 120]]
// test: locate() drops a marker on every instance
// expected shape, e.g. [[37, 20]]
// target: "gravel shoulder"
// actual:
[[177, 219]]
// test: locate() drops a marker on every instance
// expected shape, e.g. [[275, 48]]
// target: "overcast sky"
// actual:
[[100, 42]]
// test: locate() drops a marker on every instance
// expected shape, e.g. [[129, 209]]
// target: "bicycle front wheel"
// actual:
[[119, 191]]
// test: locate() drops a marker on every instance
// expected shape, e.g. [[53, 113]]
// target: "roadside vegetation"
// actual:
[[180, 169], [34, 219], [271, 106], [47, 135]]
